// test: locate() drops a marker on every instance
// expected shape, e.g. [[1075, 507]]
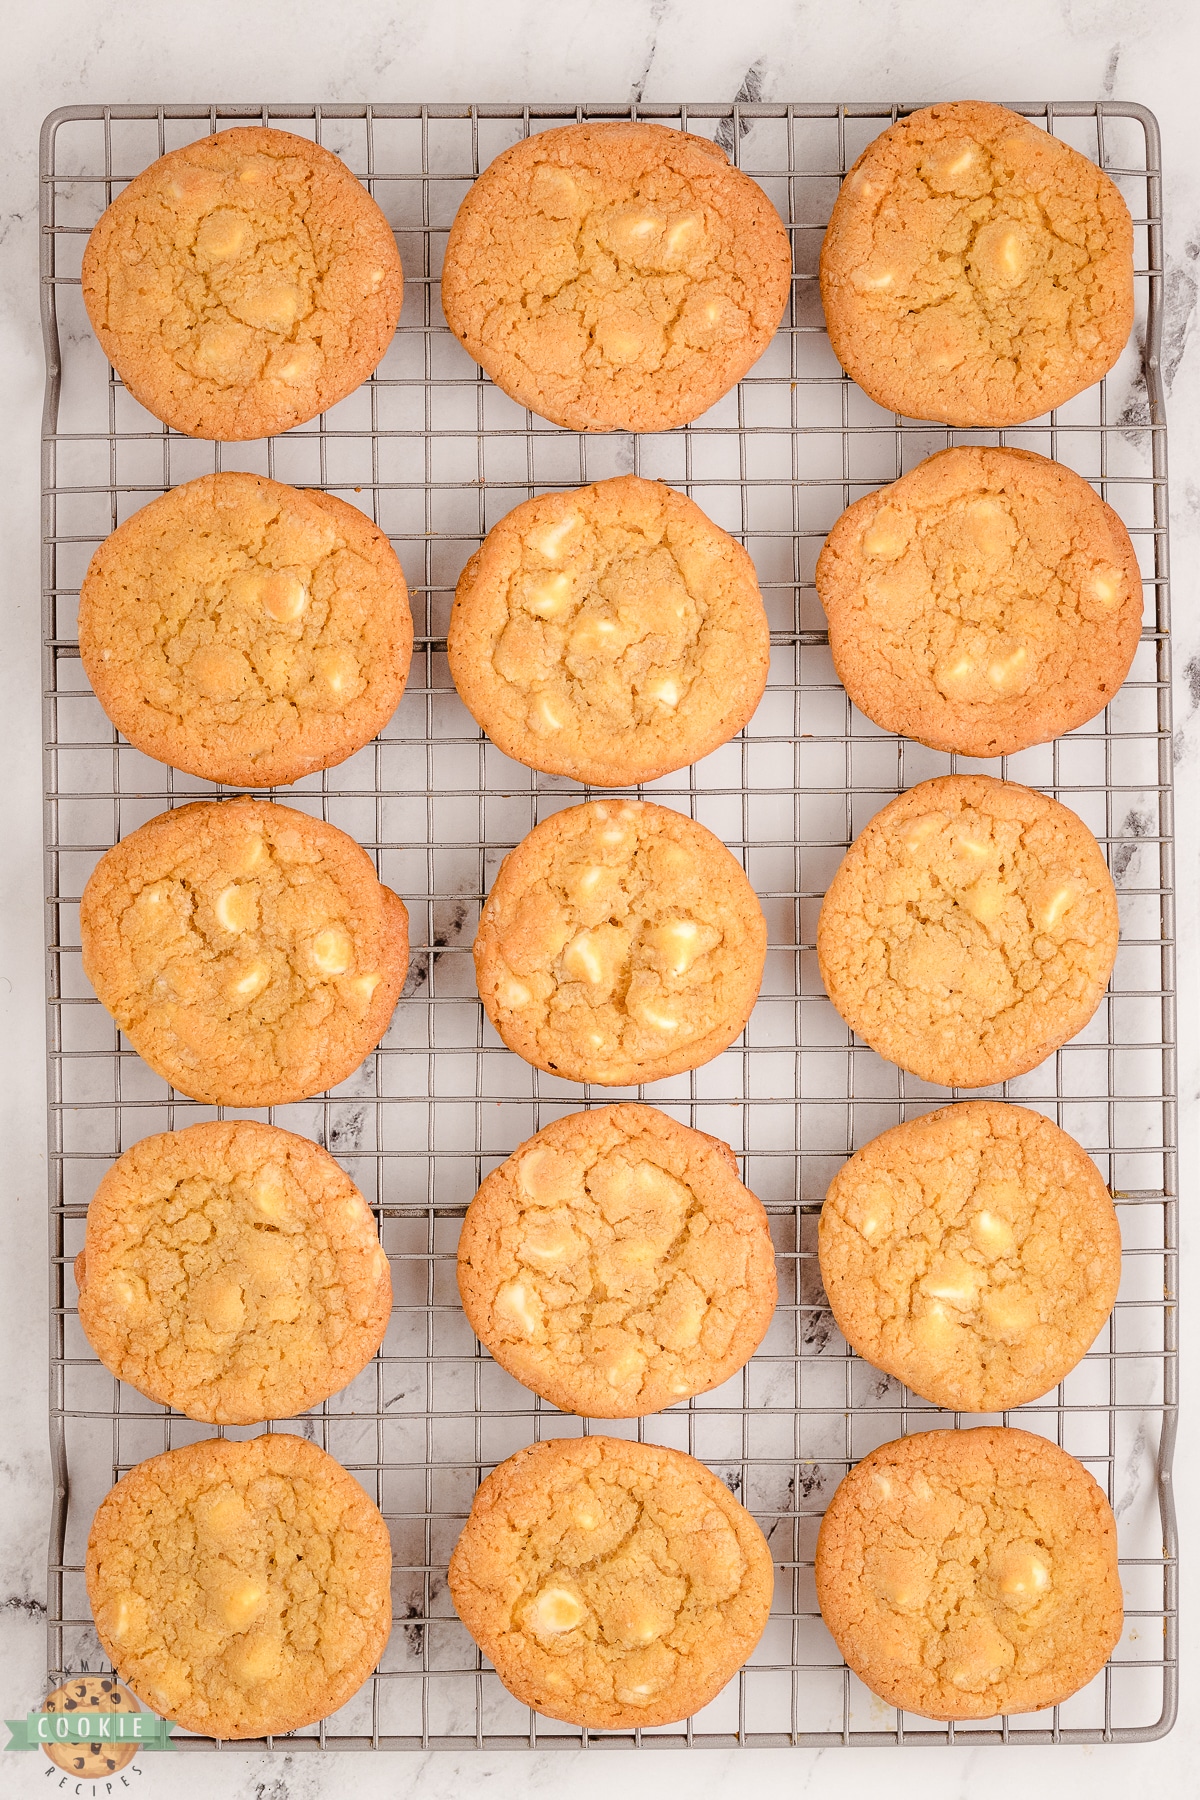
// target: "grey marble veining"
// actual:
[[64, 51]]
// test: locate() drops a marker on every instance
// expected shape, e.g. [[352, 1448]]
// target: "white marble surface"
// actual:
[[59, 51]]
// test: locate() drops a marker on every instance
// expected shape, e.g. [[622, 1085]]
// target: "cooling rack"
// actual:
[[436, 455]]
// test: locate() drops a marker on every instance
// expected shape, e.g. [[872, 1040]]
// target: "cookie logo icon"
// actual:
[[91, 1694], [91, 1727]]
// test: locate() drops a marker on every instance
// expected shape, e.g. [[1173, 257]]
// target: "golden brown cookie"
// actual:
[[975, 269], [243, 284], [987, 601], [616, 277], [232, 1271], [615, 1264], [246, 632], [248, 952], [970, 930], [621, 942], [974, 1254], [613, 634], [965, 1574], [241, 1588], [612, 1584]]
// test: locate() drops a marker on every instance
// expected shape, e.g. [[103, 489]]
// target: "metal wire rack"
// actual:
[[436, 455]]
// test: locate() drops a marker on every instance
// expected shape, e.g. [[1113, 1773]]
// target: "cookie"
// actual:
[[243, 284], [974, 1254], [246, 632], [620, 943], [970, 930], [975, 269], [612, 1584], [248, 952], [987, 601], [92, 1694], [965, 1574], [613, 634], [241, 1588], [616, 277], [232, 1271], [615, 1264]]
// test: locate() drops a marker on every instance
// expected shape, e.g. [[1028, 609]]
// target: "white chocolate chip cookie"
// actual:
[[248, 952], [976, 270], [970, 930], [615, 1264], [973, 1253], [246, 632], [613, 634], [241, 1588], [232, 1271], [616, 277], [965, 1574], [612, 1584], [620, 942], [986, 601], [243, 284]]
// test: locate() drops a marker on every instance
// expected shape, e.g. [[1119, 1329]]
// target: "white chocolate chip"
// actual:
[[241, 1604], [1004, 671], [251, 981], [550, 596], [555, 1610], [886, 535], [665, 689], [624, 1366], [914, 832], [1106, 586], [268, 1193], [985, 901], [682, 234], [520, 1304], [992, 1235], [284, 595], [221, 235], [237, 908], [1060, 901], [550, 540], [511, 992], [592, 636], [956, 1283], [332, 950], [678, 941], [546, 713], [1023, 1576]]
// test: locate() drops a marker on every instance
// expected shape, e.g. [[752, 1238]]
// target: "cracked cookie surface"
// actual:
[[974, 1254], [616, 277], [615, 1264], [243, 284], [613, 634], [246, 632], [976, 270], [965, 1574], [970, 930], [620, 942], [612, 1584], [986, 601], [249, 952], [232, 1271], [241, 1588]]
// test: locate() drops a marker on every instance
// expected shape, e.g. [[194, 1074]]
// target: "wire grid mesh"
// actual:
[[437, 456]]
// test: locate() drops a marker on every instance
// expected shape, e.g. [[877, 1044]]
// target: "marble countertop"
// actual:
[[64, 51]]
